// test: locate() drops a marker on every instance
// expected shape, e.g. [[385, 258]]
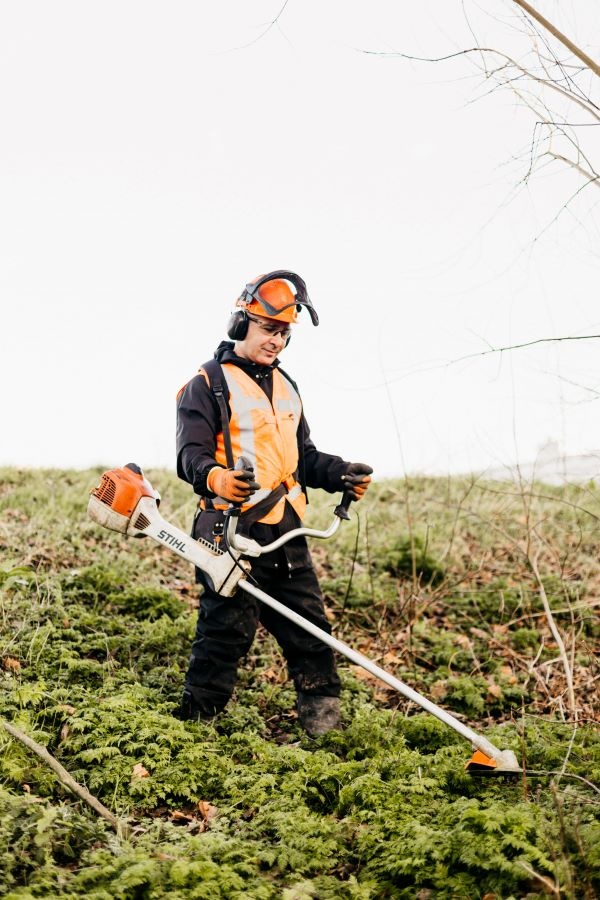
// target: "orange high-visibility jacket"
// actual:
[[265, 433]]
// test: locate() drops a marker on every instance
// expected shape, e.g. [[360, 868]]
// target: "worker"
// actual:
[[241, 405]]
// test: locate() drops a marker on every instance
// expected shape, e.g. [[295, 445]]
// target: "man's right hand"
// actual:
[[235, 485], [357, 479]]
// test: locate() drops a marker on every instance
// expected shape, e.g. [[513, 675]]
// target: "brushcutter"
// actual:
[[126, 502]]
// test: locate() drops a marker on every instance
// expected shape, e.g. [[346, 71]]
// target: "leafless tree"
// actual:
[[556, 80]]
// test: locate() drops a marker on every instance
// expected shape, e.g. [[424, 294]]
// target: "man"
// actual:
[[242, 406]]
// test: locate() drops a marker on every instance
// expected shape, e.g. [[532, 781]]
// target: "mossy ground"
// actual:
[[431, 581]]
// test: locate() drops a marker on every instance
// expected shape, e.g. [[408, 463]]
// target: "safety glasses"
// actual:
[[272, 330]]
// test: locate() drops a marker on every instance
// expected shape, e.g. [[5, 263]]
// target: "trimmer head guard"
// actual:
[[505, 763]]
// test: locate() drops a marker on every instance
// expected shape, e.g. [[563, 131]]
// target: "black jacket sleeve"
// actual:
[[198, 423]]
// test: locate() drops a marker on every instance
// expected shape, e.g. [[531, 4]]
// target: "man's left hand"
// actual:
[[357, 479]]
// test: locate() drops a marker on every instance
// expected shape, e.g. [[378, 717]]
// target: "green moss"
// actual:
[[403, 556], [97, 631]]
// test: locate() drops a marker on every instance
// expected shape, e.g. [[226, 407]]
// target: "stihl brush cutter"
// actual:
[[126, 502]]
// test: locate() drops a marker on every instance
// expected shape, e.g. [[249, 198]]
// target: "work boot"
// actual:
[[197, 710], [318, 715], [188, 711]]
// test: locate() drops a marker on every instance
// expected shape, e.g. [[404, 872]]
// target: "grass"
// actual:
[[95, 637]]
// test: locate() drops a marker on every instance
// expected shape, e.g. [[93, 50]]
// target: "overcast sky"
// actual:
[[155, 157]]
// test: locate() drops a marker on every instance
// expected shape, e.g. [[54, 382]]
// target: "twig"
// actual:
[[270, 25], [567, 754], [549, 885], [493, 73], [555, 633], [66, 779], [354, 555]]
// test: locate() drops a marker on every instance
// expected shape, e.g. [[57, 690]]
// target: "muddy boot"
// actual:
[[188, 711], [318, 715], [196, 709]]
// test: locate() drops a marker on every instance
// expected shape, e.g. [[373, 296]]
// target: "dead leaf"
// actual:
[[274, 675], [494, 690], [361, 673], [439, 690], [207, 810], [11, 664], [463, 641], [508, 674], [65, 731], [381, 696], [181, 818], [478, 632], [139, 771]]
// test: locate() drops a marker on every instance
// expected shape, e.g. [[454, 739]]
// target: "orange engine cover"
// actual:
[[121, 489]]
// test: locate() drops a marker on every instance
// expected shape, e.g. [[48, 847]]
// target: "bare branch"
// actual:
[[66, 779], [592, 177], [586, 104], [577, 51], [550, 340]]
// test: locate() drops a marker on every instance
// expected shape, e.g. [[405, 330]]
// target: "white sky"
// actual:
[[149, 169]]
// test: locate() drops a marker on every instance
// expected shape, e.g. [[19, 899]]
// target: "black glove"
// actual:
[[357, 479]]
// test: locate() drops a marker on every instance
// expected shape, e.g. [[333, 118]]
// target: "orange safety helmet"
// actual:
[[272, 297], [274, 300]]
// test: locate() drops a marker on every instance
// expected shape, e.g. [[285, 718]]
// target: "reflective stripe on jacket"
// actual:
[[265, 433]]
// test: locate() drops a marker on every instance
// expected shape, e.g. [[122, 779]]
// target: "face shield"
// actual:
[[251, 294]]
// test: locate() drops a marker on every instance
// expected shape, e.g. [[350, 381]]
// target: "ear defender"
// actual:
[[237, 327]]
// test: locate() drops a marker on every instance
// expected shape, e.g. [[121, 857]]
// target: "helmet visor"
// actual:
[[252, 292]]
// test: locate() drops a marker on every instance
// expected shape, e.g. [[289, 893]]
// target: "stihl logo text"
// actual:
[[171, 540]]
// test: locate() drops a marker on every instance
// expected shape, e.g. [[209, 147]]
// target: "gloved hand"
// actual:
[[235, 485], [357, 479]]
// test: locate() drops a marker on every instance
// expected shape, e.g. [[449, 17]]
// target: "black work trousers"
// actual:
[[226, 629]]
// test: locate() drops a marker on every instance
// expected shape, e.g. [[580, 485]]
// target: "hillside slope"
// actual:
[[446, 583]]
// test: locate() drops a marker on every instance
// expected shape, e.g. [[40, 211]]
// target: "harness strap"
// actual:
[[300, 438], [264, 506], [215, 375]]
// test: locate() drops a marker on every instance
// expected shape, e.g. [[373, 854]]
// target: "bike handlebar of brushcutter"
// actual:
[[252, 548]]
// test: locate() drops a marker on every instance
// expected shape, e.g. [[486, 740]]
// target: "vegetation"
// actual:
[[436, 580]]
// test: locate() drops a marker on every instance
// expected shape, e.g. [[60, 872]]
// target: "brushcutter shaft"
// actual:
[[476, 740]]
